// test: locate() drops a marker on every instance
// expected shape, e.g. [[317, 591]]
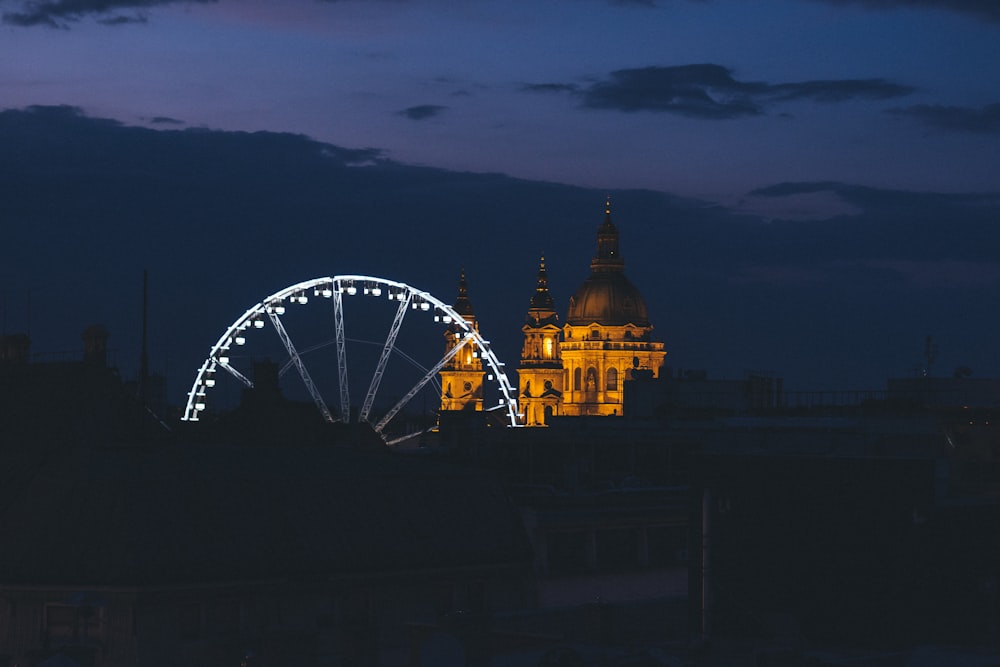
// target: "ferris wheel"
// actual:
[[226, 359]]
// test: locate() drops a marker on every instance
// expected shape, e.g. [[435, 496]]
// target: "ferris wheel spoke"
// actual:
[[338, 318], [390, 342], [236, 374], [303, 372], [431, 374], [285, 367]]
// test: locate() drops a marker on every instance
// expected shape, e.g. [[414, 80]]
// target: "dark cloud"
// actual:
[[882, 199], [550, 88], [840, 90], [701, 91], [985, 9], [165, 120], [59, 13], [423, 111], [985, 120], [710, 91], [122, 19]]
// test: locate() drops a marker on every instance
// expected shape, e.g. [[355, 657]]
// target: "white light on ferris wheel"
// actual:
[[275, 305]]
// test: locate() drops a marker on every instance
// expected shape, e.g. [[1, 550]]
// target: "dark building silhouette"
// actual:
[[193, 554], [876, 530]]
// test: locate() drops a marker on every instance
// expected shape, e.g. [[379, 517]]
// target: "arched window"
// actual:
[[577, 379], [548, 414], [548, 347], [612, 384]]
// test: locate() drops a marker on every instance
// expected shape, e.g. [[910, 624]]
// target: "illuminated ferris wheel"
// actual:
[[231, 356]]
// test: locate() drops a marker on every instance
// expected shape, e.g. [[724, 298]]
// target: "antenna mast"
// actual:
[[144, 357], [930, 354]]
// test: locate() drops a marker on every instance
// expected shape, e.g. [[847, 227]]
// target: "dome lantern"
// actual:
[[607, 297]]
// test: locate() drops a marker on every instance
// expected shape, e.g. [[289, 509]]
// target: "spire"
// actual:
[[542, 300], [542, 309], [607, 258], [463, 306]]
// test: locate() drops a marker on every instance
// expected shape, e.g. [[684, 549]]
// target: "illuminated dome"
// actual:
[[607, 297]]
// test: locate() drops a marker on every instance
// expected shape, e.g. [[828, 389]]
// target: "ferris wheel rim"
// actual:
[[267, 307]]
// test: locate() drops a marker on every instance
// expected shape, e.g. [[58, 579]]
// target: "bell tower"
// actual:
[[540, 374], [462, 376]]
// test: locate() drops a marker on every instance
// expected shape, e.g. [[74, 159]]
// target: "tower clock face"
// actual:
[[548, 384], [468, 386]]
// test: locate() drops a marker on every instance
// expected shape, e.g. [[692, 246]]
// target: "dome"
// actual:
[[607, 298]]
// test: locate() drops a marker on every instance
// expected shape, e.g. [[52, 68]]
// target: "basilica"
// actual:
[[577, 368]]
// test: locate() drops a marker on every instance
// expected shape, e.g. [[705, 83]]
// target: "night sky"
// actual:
[[804, 187]]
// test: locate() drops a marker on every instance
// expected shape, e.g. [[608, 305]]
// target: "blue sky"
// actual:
[[808, 187], [529, 89]]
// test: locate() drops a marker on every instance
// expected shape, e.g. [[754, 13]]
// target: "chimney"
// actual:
[[95, 345], [14, 348]]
